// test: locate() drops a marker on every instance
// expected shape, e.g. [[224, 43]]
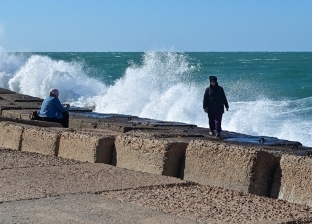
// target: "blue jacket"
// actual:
[[52, 107]]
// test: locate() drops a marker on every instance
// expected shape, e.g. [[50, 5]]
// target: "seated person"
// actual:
[[53, 111]]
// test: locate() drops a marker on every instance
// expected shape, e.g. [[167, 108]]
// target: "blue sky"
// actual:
[[143, 25]]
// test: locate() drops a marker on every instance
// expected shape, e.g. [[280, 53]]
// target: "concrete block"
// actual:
[[15, 114], [295, 179], [157, 156], [8, 105], [5, 91], [120, 126], [18, 114], [10, 135], [78, 123], [17, 97], [31, 122], [41, 140], [86, 146], [230, 166]]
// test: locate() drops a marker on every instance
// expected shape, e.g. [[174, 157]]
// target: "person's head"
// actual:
[[213, 80], [54, 92]]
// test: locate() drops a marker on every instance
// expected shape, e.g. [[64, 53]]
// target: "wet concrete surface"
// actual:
[[178, 129]]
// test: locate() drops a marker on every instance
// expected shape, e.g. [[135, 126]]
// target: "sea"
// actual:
[[269, 93]]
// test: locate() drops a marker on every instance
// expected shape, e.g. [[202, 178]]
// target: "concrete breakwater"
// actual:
[[266, 167]]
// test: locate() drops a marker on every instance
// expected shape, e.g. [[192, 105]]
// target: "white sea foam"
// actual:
[[156, 89], [36, 75], [162, 88], [282, 119]]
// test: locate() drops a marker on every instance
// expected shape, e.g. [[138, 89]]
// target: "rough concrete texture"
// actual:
[[88, 146], [41, 140], [5, 91], [263, 173], [77, 122], [9, 105], [31, 122], [120, 126], [84, 209], [121, 123], [275, 190], [39, 182], [10, 135], [110, 121], [17, 97], [296, 179], [10, 159], [17, 114], [143, 197], [168, 132], [206, 204], [231, 166], [158, 156]]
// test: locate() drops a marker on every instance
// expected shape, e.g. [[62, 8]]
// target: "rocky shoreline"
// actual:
[[173, 168]]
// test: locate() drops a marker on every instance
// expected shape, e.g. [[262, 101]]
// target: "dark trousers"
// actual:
[[215, 119], [64, 121]]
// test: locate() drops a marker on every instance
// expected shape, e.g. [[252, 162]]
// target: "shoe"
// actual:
[[218, 135], [211, 133]]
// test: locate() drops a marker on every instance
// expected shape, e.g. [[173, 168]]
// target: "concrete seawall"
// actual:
[[295, 176], [278, 169], [87, 146], [158, 156], [231, 166]]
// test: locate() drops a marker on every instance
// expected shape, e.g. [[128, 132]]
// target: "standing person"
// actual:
[[53, 111], [213, 104]]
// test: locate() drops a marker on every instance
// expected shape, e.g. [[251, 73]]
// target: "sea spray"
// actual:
[[269, 93], [39, 74], [159, 88], [9, 65], [286, 119]]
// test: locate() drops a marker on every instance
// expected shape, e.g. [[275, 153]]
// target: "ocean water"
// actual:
[[270, 94]]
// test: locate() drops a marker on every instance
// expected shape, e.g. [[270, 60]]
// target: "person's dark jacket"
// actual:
[[215, 99]]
